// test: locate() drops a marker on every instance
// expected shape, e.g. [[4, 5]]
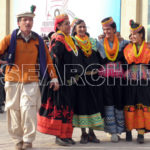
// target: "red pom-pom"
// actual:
[[145, 109], [132, 109], [131, 22]]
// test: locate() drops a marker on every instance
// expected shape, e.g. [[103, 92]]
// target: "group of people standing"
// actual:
[[99, 85], [108, 89]]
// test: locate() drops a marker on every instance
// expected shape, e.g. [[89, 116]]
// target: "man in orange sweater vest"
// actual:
[[23, 96]]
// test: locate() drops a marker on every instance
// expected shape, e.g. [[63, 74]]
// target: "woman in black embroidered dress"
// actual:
[[89, 108], [137, 97], [111, 50], [56, 113]]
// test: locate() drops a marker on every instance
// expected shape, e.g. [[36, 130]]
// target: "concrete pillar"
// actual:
[[7, 17], [3, 16], [128, 12], [11, 14], [136, 10], [144, 16]]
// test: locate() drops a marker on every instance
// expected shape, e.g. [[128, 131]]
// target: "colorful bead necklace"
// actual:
[[111, 53], [140, 51], [70, 42], [85, 44]]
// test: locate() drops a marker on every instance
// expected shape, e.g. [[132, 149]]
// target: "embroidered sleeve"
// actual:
[[123, 44], [58, 49], [100, 49], [94, 44], [60, 38], [121, 56], [57, 39]]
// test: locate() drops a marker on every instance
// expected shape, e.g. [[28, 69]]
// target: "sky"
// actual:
[[91, 11]]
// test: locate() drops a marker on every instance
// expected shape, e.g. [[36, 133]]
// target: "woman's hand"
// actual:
[[54, 84]]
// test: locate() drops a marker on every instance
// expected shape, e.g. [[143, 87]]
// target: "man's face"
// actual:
[[25, 24], [108, 31]]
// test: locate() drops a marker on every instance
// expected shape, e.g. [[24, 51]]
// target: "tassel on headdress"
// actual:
[[33, 7], [74, 21], [27, 13]]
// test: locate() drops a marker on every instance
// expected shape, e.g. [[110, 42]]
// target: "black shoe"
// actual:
[[128, 136], [140, 138], [84, 138], [71, 141], [92, 138], [62, 142]]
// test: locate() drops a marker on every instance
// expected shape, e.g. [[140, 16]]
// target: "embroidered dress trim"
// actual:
[[94, 121], [137, 117], [114, 120]]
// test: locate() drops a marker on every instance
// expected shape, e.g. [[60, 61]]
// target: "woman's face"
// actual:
[[81, 29], [136, 38], [109, 31], [65, 27]]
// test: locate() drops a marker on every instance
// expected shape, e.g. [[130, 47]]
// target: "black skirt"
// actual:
[[89, 108]]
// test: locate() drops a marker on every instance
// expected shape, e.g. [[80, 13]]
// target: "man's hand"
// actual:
[[1, 70], [100, 37], [119, 36], [3, 62], [54, 83]]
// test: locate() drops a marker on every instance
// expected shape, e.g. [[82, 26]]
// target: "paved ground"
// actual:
[[47, 142]]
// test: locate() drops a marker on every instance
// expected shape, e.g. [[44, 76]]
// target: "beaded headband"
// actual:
[[107, 22], [134, 27]]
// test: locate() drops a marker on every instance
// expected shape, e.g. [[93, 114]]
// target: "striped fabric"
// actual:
[[94, 121], [114, 120]]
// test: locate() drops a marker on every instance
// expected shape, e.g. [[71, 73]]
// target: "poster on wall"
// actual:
[[91, 11]]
